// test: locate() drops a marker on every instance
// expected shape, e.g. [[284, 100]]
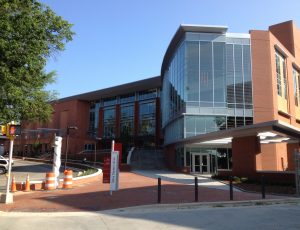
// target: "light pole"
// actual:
[[96, 139], [67, 143]]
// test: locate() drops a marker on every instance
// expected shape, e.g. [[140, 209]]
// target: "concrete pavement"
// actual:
[[36, 170], [134, 190], [187, 179], [284, 216]]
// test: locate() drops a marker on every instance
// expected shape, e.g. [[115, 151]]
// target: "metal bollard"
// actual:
[[159, 190], [263, 187], [230, 188], [196, 189]]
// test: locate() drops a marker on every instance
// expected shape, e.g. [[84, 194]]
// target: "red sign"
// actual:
[[106, 169], [118, 147]]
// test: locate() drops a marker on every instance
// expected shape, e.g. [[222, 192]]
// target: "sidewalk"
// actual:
[[134, 190], [203, 180]]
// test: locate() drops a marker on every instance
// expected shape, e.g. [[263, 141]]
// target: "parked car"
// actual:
[[5, 158], [3, 165]]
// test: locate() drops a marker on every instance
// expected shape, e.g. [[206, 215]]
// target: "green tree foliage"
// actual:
[[30, 33]]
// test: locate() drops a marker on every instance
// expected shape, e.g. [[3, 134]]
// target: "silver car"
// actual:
[[3, 165]]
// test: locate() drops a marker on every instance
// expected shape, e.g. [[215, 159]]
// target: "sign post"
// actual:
[[114, 171], [11, 131]]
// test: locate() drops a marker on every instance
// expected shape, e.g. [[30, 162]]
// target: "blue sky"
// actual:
[[120, 41]]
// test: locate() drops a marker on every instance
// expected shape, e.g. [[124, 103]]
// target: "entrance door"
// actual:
[[201, 163]]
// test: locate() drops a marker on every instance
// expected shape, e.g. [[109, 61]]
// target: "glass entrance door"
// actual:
[[200, 163]]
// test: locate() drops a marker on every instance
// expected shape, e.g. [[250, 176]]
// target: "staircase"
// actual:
[[147, 159]]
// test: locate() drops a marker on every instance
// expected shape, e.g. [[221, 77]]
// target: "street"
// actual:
[[285, 216], [20, 169]]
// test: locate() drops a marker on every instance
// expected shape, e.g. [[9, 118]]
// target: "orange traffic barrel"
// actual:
[[68, 179], [13, 187], [27, 184], [50, 181]]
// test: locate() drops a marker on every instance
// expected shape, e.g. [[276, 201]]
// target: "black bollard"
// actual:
[[159, 190], [196, 189], [263, 187], [230, 188]]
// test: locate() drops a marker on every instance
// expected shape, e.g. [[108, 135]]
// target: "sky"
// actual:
[[121, 41]]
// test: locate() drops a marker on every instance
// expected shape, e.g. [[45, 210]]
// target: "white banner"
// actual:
[[114, 171]]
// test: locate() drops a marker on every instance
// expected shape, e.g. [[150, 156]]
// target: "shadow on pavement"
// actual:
[[134, 190]]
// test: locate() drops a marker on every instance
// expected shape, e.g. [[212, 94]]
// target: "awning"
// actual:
[[268, 133]]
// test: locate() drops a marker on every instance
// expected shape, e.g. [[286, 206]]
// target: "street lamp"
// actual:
[[67, 143]]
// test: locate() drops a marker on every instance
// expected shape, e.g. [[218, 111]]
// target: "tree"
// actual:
[[30, 33]]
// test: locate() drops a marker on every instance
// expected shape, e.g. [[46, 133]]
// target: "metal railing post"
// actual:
[[263, 187], [196, 189], [230, 188], [159, 190]]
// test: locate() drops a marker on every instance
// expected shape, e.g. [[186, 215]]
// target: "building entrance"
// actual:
[[200, 163]]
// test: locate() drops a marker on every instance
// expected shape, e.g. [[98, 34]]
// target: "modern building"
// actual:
[[225, 102]]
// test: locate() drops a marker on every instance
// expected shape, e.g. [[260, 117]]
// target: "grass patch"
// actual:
[[87, 172]]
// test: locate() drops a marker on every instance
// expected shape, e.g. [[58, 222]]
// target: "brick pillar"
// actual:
[[244, 150], [100, 126], [136, 122], [290, 155], [157, 122], [118, 118]]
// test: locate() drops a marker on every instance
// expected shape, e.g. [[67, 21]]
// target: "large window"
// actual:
[[127, 98], [296, 77], [281, 75], [126, 123], [109, 122], [195, 125], [147, 118]]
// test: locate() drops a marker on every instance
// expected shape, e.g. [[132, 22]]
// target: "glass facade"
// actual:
[[147, 118], [218, 158], [123, 107], [207, 85], [109, 120], [127, 120]]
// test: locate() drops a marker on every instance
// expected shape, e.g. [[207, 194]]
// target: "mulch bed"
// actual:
[[271, 189]]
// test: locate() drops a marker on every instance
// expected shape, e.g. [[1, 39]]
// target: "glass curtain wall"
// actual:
[[207, 86], [147, 118], [109, 122], [127, 117]]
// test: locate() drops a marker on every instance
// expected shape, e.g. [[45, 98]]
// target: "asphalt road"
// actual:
[[20, 169], [250, 217]]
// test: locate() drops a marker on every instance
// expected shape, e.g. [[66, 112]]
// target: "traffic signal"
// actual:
[[3, 130], [14, 130]]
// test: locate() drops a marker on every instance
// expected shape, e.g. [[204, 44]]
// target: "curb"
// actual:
[[160, 208], [223, 204]]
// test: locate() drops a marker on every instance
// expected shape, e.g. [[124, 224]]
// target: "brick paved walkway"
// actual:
[[134, 190]]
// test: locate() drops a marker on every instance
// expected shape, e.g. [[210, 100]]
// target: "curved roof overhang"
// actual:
[[183, 28], [268, 132]]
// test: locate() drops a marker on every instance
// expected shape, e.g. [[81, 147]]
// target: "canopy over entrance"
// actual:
[[267, 132]]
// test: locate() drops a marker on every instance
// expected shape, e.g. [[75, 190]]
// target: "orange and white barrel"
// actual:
[[50, 181], [68, 179]]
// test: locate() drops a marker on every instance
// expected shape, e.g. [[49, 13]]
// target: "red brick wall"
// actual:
[[244, 150]]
